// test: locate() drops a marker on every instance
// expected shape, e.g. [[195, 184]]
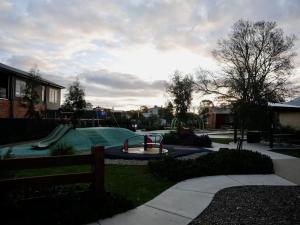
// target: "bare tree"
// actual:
[[257, 60]]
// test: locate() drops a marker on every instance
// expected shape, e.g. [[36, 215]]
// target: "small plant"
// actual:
[[6, 173], [62, 149]]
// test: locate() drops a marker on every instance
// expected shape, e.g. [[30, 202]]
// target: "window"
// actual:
[[3, 86], [3, 92], [43, 94], [53, 95], [20, 88]]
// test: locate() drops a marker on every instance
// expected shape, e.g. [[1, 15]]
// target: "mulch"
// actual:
[[248, 205]]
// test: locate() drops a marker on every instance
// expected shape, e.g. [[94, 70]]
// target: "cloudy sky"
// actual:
[[124, 51]]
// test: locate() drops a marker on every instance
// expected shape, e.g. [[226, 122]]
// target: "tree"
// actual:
[[181, 88], [143, 108], [204, 109], [75, 100], [257, 60], [31, 97], [167, 112]]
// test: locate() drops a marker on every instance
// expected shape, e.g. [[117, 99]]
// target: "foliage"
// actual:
[[75, 98], [31, 97], [167, 112], [5, 173], [153, 122], [186, 138], [75, 101], [288, 151], [180, 88], [62, 149], [223, 162], [257, 61]]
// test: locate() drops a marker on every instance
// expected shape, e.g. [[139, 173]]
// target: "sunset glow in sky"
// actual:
[[124, 51]]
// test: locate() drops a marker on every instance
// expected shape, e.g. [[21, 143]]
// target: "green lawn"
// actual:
[[291, 152], [222, 140], [135, 183]]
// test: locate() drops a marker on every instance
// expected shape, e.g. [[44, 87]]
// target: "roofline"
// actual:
[[282, 105], [25, 74]]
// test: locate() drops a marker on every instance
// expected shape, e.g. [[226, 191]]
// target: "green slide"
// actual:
[[53, 137]]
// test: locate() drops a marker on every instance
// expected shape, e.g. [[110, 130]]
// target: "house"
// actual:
[[12, 87], [219, 117], [151, 112], [155, 112], [287, 114]]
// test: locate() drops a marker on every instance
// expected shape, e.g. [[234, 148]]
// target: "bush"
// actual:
[[62, 149], [218, 163], [186, 138], [6, 173]]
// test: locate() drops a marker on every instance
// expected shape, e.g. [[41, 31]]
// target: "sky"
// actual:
[[124, 51]]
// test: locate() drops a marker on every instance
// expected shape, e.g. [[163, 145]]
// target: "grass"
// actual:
[[291, 152], [134, 183], [222, 140]]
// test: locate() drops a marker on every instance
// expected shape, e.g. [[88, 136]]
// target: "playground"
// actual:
[[119, 143]]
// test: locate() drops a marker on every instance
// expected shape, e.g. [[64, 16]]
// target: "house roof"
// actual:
[[27, 75], [295, 104]]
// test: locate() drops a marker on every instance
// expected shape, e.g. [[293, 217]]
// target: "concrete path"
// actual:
[[183, 202]]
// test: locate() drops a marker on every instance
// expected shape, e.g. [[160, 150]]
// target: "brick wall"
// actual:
[[4, 108], [19, 110]]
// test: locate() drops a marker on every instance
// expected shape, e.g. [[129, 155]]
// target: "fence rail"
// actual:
[[95, 176]]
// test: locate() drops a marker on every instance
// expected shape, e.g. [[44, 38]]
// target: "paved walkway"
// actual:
[[183, 202]]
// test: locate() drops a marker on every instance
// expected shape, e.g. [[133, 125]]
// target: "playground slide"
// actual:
[[53, 137]]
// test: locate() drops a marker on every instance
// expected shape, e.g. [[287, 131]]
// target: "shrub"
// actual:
[[62, 149], [218, 163], [187, 138], [6, 173]]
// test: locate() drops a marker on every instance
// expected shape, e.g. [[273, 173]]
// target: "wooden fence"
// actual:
[[95, 176]]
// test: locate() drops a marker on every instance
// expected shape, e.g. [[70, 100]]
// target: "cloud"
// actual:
[[105, 88], [121, 81], [105, 42]]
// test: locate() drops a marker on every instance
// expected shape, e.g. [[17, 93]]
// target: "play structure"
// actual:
[[196, 122], [152, 144], [81, 139], [119, 143], [53, 137]]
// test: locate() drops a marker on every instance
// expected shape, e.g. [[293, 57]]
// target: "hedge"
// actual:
[[218, 163]]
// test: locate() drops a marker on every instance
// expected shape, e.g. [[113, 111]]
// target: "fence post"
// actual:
[[98, 169]]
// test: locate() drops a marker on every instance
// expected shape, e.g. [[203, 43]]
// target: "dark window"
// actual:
[[3, 86]]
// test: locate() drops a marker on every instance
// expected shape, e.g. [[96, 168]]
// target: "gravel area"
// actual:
[[248, 205]]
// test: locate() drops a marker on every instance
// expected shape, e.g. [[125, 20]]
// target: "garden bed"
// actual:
[[260, 205]]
